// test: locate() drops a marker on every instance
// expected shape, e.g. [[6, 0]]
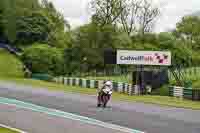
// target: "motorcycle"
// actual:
[[104, 97]]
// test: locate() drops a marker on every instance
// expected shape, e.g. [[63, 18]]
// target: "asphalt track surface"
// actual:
[[143, 117], [36, 122]]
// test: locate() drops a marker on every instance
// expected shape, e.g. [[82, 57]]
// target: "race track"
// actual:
[[143, 117]]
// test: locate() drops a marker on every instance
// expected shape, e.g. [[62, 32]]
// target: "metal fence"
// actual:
[[192, 73]]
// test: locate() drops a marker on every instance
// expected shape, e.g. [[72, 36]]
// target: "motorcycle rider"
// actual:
[[107, 86]]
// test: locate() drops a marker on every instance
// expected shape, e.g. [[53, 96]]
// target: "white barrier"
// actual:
[[65, 81], [71, 81], [130, 88], [77, 81], [92, 84], [120, 87], [178, 91], [84, 83], [126, 88]]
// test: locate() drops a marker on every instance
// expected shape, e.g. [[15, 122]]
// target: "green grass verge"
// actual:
[[160, 100], [5, 130], [49, 85], [10, 66]]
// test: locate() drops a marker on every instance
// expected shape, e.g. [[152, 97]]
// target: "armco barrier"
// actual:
[[85, 83]]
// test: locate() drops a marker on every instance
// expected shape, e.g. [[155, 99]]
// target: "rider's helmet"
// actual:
[[108, 83]]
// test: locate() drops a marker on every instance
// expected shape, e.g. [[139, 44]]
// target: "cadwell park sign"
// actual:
[[162, 58]]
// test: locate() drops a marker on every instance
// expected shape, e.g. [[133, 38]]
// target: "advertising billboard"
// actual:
[[161, 58]]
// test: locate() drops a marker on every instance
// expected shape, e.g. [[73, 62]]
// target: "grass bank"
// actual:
[[10, 66], [5, 130]]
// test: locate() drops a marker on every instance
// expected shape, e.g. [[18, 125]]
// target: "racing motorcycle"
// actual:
[[104, 95]]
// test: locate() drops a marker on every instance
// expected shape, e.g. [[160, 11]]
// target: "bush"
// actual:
[[41, 58], [163, 91]]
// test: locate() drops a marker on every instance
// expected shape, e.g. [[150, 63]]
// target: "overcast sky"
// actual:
[[77, 13]]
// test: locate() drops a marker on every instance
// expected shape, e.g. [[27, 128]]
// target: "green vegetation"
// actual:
[[189, 74], [10, 66], [41, 58], [5, 130], [26, 22], [160, 100]]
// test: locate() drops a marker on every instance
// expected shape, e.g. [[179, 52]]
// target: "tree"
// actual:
[[133, 15], [91, 40], [188, 29], [147, 16], [33, 28], [181, 54], [9, 19], [128, 17], [11, 10], [41, 58], [93, 36], [1, 23], [106, 12], [59, 34]]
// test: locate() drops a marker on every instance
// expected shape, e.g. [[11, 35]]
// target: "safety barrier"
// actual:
[[186, 93], [96, 84]]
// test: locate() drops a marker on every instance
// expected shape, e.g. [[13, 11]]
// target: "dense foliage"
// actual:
[[31, 24], [42, 58], [26, 22]]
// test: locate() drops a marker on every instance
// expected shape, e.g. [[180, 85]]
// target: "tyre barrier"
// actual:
[[97, 84], [186, 93]]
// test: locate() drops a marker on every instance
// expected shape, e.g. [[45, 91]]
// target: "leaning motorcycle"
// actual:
[[104, 97]]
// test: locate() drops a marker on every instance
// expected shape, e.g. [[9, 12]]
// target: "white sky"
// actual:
[[77, 13]]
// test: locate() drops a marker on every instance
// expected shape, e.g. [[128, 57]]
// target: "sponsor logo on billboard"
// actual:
[[143, 57]]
